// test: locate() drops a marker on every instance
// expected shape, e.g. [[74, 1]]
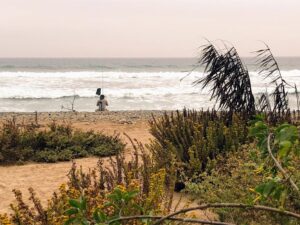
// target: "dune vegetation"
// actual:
[[240, 160], [58, 142]]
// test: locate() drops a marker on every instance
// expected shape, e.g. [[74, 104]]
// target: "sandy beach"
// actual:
[[202, 122]]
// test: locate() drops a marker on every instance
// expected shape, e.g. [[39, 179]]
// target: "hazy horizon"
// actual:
[[142, 57], [144, 28]]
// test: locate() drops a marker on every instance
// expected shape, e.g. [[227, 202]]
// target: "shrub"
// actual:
[[123, 188], [46, 156], [78, 151], [25, 142], [194, 138], [280, 150], [233, 179]]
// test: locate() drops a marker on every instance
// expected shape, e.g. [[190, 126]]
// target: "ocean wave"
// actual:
[[123, 85], [125, 93], [90, 73]]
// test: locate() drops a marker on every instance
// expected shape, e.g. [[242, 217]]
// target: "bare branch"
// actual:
[[278, 165], [72, 103], [230, 205], [185, 220]]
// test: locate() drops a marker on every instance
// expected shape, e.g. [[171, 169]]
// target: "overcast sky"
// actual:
[[145, 28]]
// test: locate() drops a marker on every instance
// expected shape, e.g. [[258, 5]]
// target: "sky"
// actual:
[[145, 28]]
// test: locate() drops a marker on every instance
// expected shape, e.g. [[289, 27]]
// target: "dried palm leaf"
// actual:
[[228, 79]]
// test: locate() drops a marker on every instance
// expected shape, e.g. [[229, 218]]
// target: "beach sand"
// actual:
[[46, 178]]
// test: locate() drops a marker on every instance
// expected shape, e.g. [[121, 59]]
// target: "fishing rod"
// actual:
[[100, 90]]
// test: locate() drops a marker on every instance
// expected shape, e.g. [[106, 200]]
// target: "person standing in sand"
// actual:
[[102, 103]]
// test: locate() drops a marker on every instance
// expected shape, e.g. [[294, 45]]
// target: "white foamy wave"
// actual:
[[84, 84], [93, 74], [123, 85]]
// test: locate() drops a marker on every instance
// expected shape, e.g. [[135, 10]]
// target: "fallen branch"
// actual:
[[229, 205], [278, 165], [72, 109], [186, 220]]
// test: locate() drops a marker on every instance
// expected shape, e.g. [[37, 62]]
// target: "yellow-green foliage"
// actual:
[[98, 186], [26, 142], [196, 137], [233, 178]]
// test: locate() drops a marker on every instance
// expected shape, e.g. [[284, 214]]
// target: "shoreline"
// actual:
[[126, 116]]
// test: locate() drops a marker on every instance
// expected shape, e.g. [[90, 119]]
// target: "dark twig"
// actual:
[[184, 220], [72, 109], [297, 97], [230, 205]]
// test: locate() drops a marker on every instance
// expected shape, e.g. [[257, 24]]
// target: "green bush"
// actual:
[[196, 137], [109, 191], [233, 179], [46, 155], [78, 151], [101, 151], [56, 143]]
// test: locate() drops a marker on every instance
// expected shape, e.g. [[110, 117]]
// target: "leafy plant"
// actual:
[[59, 142], [280, 150], [77, 212], [193, 138], [234, 178], [120, 202], [121, 188]]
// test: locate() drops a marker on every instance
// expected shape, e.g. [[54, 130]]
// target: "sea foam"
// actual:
[[126, 90]]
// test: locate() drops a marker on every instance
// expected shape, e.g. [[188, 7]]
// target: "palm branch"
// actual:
[[228, 79], [269, 68], [264, 103]]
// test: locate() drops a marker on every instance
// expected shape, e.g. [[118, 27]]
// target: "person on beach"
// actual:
[[102, 103]]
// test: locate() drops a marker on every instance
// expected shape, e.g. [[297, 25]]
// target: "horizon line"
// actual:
[[145, 57]]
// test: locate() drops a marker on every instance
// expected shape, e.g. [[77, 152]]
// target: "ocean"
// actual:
[[46, 85]]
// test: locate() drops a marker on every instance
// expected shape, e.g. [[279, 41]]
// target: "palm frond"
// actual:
[[269, 68], [281, 104], [264, 103], [297, 97], [228, 79]]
